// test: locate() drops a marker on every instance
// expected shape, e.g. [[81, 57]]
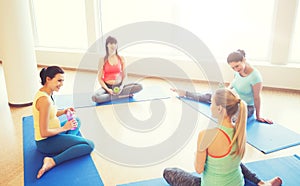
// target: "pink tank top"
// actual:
[[112, 72]]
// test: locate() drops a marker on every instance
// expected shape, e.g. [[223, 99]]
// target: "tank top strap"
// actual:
[[229, 149]]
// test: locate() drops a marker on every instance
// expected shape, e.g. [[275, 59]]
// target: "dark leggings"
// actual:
[[206, 98], [178, 177], [175, 176], [64, 147], [101, 95]]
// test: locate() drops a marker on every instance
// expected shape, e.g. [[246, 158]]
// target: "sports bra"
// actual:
[[112, 72]]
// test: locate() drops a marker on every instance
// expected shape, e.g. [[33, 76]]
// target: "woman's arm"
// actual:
[[43, 106], [206, 97], [257, 88], [200, 155], [123, 63], [256, 94], [61, 112]]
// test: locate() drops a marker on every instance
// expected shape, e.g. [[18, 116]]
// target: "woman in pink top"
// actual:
[[111, 76]]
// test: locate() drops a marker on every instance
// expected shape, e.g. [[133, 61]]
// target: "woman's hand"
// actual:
[[180, 92], [70, 124], [263, 120], [70, 109], [110, 91]]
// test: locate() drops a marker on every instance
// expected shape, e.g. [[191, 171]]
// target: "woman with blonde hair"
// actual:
[[221, 149]]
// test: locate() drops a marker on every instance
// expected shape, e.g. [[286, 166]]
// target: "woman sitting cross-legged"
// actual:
[[221, 149], [112, 74]]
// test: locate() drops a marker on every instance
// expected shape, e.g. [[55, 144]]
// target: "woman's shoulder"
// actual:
[[40, 93], [42, 98], [122, 59], [206, 137], [255, 72]]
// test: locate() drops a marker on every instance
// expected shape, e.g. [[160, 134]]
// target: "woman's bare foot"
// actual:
[[48, 163], [273, 182]]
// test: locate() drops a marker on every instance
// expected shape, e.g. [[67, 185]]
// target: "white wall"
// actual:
[[277, 76], [244, 30]]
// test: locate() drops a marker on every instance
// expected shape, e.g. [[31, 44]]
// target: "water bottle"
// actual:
[[70, 116]]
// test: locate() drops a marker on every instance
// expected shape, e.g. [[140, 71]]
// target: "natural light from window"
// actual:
[[60, 24], [295, 45]]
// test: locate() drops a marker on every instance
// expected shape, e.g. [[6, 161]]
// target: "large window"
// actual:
[[295, 44], [229, 25], [60, 24], [222, 25], [117, 13]]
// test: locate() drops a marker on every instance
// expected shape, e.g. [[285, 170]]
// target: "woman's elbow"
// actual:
[[43, 134], [199, 170]]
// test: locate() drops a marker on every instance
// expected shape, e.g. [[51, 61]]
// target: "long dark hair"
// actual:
[[113, 40], [50, 72]]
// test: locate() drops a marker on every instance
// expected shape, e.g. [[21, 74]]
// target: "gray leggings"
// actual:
[[206, 98], [101, 95], [178, 177]]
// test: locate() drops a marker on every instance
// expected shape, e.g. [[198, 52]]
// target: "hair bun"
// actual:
[[242, 52]]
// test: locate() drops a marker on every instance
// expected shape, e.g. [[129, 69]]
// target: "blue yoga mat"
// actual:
[[287, 168], [152, 182], [80, 171], [80, 100], [262, 136], [270, 138]]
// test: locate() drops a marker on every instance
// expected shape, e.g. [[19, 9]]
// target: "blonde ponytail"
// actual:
[[240, 130], [234, 105]]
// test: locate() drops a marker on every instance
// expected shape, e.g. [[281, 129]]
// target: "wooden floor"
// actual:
[[280, 105]]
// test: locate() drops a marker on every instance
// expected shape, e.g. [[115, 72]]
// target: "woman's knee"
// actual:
[[136, 88], [101, 98], [251, 110], [91, 144], [139, 87], [176, 176], [98, 94]]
